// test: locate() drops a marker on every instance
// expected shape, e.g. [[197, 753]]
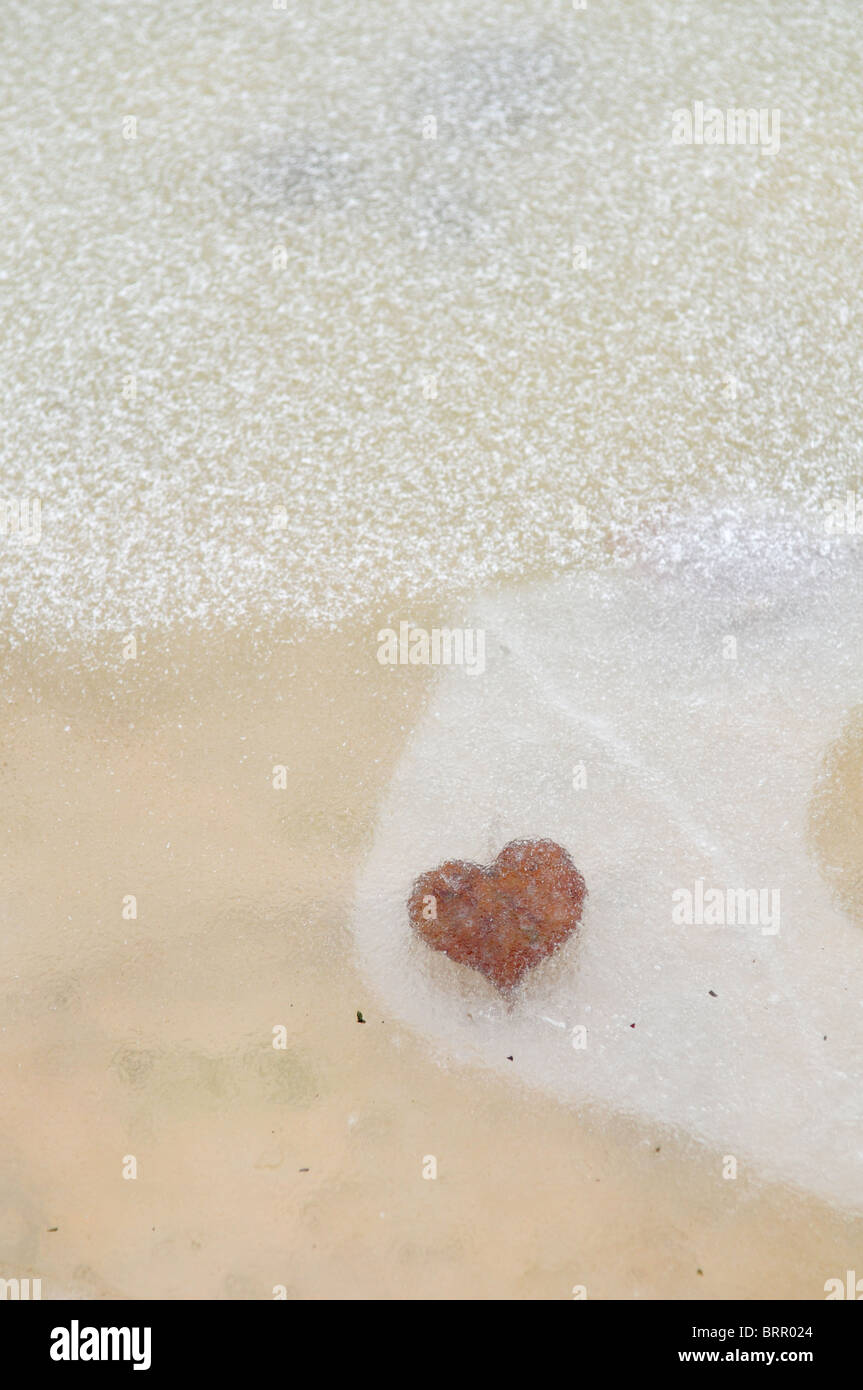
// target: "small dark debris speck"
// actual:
[[53, 1228], [304, 1170], [632, 1025], [713, 994], [658, 1147], [509, 1059], [699, 1271], [360, 1018]]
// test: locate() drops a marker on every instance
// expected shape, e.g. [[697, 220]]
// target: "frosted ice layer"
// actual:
[[307, 307], [617, 717]]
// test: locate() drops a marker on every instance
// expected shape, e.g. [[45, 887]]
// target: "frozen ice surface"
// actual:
[[284, 349], [699, 765]]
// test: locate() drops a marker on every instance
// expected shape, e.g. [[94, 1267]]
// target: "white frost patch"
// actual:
[[699, 767]]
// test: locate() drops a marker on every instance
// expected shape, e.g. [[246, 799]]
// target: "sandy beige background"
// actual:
[[153, 1037]]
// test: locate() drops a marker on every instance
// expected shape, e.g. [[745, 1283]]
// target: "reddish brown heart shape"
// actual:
[[504, 919]]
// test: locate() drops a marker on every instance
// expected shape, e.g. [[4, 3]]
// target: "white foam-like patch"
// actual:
[[699, 766]]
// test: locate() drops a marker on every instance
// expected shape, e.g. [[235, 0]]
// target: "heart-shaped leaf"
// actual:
[[504, 919]]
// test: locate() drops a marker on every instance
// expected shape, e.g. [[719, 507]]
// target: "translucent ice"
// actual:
[[666, 723], [346, 301]]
